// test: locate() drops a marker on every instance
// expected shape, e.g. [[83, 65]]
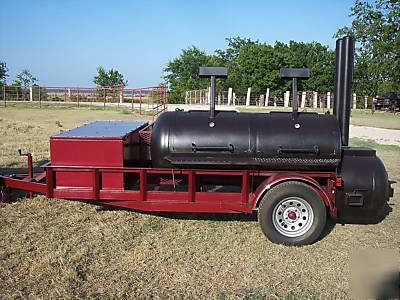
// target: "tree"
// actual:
[[235, 44], [25, 79], [110, 78], [181, 74], [3, 71], [253, 64], [376, 29]]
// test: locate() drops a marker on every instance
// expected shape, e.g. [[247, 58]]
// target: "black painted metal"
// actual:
[[295, 106], [218, 72], [212, 97], [337, 105], [294, 74], [343, 84], [289, 73], [280, 141], [240, 140], [365, 186], [213, 73]]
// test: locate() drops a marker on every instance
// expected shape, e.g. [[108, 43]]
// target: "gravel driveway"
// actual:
[[379, 135]]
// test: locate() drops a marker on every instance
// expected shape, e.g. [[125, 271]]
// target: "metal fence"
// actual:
[[150, 100]]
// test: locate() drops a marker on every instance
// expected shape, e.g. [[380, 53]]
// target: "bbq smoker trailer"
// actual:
[[295, 168]]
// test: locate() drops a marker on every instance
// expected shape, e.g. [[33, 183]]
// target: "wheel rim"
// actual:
[[292, 216]]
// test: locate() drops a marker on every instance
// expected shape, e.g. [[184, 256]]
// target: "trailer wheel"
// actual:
[[292, 213]]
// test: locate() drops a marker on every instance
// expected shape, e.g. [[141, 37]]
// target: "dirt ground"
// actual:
[[53, 248], [379, 135]]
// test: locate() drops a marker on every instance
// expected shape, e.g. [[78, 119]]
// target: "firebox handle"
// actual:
[[228, 148]]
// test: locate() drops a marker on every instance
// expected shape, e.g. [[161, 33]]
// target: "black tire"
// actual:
[[274, 201]]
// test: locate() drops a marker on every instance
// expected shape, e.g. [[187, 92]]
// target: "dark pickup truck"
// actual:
[[388, 102]]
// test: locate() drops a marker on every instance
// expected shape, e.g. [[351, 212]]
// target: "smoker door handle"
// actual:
[[313, 150], [228, 148]]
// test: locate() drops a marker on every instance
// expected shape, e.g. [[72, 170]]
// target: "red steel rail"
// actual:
[[190, 199]]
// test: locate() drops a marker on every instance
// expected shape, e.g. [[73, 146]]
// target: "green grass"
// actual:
[[378, 119], [54, 248]]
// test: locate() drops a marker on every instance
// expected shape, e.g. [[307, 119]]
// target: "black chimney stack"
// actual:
[[343, 84]]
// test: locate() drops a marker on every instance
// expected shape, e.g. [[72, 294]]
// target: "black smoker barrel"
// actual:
[[343, 84], [246, 140]]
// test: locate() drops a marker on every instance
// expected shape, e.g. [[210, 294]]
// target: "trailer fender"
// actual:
[[275, 180]]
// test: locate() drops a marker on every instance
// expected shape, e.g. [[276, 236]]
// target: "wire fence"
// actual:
[[307, 99], [146, 100]]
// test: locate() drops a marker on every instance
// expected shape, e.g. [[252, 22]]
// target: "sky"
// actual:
[[63, 42]]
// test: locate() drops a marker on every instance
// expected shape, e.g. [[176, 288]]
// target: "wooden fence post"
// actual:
[[261, 100], [248, 96], [230, 91], [186, 97], [266, 98], [315, 100], [286, 99], [328, 100], [303, 99]]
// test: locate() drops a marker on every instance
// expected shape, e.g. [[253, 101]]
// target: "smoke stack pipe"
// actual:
[[343, 84], [337, 105]]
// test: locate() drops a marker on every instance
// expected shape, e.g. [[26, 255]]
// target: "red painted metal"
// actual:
[[104, 147], [292, 215], [339, 182], [30, 164], [30, 168], [4, 94], [22, 184], [326, 192], [191, 200], [154, 98], [140, 102], [80, 170], [133, 99]]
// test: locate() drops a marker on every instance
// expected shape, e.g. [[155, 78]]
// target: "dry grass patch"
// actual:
[[358, 117], [52, 248]]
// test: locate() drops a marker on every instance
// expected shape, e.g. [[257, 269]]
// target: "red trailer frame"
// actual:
[[144, 197]]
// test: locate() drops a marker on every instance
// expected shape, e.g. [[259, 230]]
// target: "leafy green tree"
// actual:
[[25, 79], [253, 64], [110, 78], [235, 44], [319, 59], [181, 74], [376, 28]]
